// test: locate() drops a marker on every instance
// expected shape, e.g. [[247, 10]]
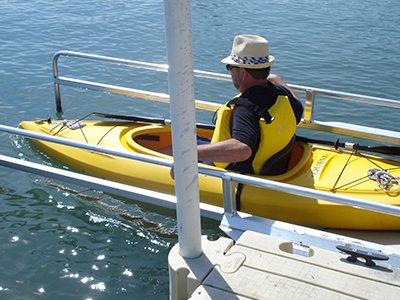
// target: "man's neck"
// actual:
[[253, 83]]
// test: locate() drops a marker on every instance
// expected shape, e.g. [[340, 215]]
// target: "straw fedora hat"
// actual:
[[249, 51]]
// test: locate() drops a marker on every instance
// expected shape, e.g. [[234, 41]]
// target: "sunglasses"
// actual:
[[229, 67]]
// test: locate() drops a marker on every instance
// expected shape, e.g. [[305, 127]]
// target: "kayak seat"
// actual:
[[279, 162], [296, 155]]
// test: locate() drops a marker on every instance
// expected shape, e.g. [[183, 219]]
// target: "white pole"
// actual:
[[182, 107]]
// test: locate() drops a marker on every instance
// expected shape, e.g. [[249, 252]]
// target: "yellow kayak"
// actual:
[[311, 165]]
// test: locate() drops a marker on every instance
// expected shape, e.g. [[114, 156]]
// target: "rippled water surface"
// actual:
[[60, 241]]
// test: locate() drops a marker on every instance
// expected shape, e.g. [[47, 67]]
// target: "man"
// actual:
[[254, 131]]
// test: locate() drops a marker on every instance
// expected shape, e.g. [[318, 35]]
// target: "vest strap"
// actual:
[[261, 112]]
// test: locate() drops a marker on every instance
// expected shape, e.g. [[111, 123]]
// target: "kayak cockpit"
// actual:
[[156, 140]]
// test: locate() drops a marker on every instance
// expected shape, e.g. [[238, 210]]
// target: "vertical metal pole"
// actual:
[[309, 106], [56, 84], [229, 195], [182, 107]]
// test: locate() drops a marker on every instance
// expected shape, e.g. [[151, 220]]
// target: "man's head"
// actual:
[[249, 61]]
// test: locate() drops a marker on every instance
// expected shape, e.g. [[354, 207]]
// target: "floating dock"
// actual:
[[259, 266]]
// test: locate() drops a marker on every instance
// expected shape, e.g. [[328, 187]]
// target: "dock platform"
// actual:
[[260, 266]]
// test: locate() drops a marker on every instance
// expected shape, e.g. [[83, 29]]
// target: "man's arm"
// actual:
[[231, 150], [297, 106]]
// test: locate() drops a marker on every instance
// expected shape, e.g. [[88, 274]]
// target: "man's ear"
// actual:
[[244, 73]]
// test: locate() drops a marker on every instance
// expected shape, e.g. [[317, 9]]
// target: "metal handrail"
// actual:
[[228, 178], [219, 76], [380, 135]]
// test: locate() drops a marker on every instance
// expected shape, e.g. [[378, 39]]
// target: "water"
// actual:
[[63, 242]]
